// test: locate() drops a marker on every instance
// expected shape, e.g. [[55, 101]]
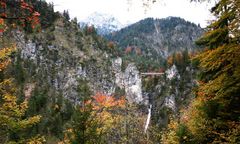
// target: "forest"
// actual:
[[63, 83]]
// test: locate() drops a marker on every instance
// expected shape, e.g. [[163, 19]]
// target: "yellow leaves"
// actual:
[[218, 64], [11, 107], [36, 140], [29, 122], [5, 52], [56, 107], [211, 59], [4, 56], [222, 57], [7, 87], [170, 136], [170, 60], [12, 112], [173, 125]]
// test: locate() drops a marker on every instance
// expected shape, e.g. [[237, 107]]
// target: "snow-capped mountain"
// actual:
[[104, 23]]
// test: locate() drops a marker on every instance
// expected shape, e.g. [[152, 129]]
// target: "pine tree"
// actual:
[[84, 126], [66, 15], [214, 115]]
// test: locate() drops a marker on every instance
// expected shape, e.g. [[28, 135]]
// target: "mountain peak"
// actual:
[[104, 23]]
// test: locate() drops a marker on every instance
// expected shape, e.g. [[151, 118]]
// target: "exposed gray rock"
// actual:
[[170, 102], [133, 84], [172, 73], [130, 80]]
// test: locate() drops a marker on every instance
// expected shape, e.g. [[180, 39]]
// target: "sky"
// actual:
[[130, 11]]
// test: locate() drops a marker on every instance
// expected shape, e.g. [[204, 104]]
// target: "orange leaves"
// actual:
[[22, 12], [111, 44], [104, 101], [134, 49], [2, 25], [33, 18], [128, 50], [4, 15], [26, 6], [105, 110], [4, 64], [100, 101], [3, 4]]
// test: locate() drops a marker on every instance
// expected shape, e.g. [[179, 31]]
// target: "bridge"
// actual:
[[151, 73]]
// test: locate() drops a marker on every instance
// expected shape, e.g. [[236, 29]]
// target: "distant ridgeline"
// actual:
[[157, 37]]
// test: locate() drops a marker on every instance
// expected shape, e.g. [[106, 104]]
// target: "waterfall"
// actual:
[[148, 119]]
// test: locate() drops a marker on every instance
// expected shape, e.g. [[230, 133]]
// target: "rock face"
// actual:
[[129, 80], [59, 64], [58, 57], [117, 68], [170, 102], [172, 73], [133, 84]]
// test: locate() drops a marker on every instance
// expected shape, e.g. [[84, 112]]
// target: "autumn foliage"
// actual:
[[104, 101], [4, 56], [17, 12], [103, 109], [111, 44], [213, 116], [12, 112], [93, 119], [128, 50]]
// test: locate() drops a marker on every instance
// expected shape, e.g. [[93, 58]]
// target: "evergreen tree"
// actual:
[[66, 15], [214, 116], [83, 123]]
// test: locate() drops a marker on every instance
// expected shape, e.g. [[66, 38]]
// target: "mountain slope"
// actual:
[[158, 37]]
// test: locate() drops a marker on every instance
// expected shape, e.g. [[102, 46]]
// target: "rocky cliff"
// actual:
[[62, 54]]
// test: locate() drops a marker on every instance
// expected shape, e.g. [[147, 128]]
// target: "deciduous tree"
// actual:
[[214, 114], [17, 12], [12, 113]]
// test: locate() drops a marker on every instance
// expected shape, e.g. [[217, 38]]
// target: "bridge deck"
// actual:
[[152, 73]]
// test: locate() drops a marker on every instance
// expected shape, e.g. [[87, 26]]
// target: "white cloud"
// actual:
[[127, 12]]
